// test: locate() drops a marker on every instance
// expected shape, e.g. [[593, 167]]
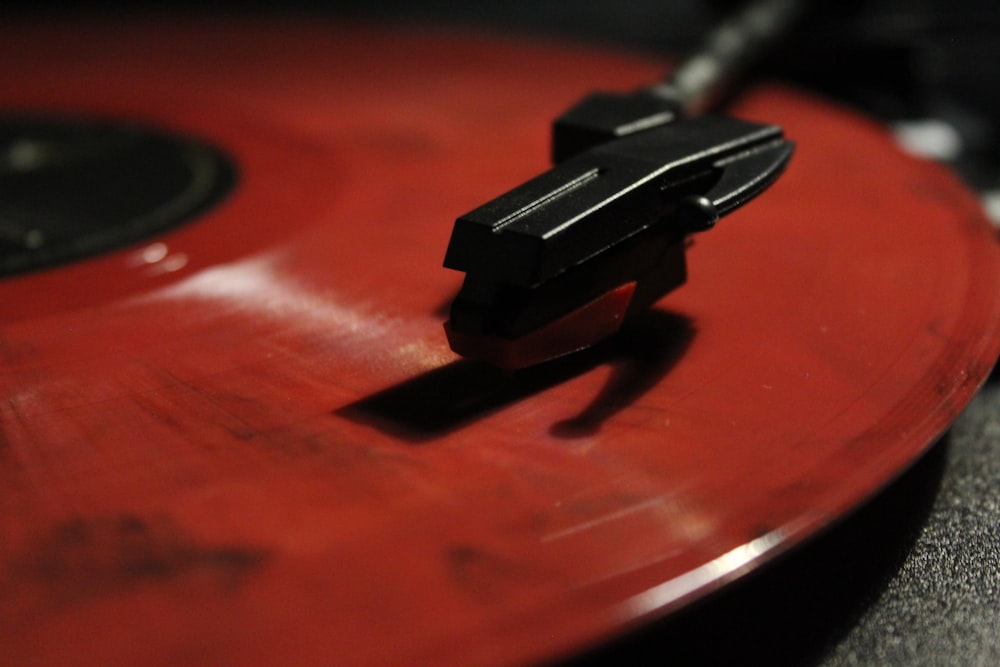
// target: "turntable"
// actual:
[[234, 431]]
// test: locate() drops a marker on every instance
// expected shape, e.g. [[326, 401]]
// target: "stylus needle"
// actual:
[[560, 262]]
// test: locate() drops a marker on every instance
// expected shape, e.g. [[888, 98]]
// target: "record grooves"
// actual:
[[246, 441]]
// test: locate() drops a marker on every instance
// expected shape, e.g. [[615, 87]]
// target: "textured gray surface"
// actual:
[[942, 607], [911, 578]]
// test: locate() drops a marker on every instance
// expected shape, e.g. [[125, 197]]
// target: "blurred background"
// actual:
[[928, 67]]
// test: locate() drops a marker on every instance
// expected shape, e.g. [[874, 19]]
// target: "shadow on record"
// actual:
[[456, 395]]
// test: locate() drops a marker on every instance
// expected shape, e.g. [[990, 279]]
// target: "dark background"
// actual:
[[912, 578], [897, 59]]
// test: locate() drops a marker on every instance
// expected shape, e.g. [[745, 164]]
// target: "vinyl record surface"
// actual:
[[244, 440]]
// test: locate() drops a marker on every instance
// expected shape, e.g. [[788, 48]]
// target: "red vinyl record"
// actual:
[[245, 440]]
